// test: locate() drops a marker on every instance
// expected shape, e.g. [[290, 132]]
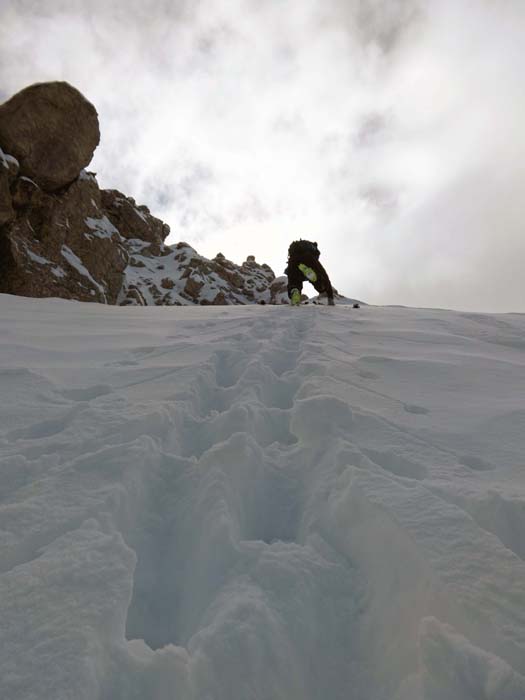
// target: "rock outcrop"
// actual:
[[61, 236], [179, 275], [134, 221], [61, 245], [52, 131]]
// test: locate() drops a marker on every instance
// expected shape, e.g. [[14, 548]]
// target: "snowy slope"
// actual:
[[261, 503]]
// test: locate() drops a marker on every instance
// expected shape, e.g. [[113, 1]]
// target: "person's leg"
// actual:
[[295, 282], [295, 279], [323, 286]]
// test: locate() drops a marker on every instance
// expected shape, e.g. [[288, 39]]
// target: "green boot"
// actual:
[[295, 297]]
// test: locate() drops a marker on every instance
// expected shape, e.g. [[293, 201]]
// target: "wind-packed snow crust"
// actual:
[[265, 503]]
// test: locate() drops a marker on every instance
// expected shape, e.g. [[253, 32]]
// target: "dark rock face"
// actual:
[[62, 245], [61, 236], [8, 172], [52, 130], [134, 221], [7, 213]]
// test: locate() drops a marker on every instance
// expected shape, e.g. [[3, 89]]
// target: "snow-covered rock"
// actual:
[[179, 275], [134, 221], [260, 502]]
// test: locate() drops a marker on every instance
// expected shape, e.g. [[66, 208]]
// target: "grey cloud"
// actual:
[[387, 21], [383, 198], [388, 130], [371, 128], [383, 22]]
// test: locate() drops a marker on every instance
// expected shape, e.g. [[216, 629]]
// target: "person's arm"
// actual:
[[323, 285]]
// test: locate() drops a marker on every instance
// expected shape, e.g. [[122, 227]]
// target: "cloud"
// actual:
[[388, 130]]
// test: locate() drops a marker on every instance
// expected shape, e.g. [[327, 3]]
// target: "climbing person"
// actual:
[[303, 264]]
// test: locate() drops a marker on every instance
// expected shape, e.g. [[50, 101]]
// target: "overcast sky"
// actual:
[[392, 132]]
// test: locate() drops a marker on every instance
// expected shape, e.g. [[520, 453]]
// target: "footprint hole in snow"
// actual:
[[316, 417], [475, 463], [417, 410], [366, 374], [282, 361], [503, 516], [396, 464], [87, 394], [42, 429], [229, 367]]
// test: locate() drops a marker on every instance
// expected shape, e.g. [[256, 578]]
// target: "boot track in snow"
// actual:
[[222, 504]]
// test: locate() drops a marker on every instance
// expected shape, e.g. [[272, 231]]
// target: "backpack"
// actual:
[[298, 248]]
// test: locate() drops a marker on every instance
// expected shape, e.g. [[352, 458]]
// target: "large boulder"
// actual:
[[52, 130]]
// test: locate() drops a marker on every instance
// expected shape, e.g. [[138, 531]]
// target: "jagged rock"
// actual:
[[196, 280], [134, 297], [62, 245], [193, 287], [167, 283], [52, 130], [279, 290], [134, 221], [23, 190]]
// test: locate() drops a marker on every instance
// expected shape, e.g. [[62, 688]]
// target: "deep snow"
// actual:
[[261, 503]]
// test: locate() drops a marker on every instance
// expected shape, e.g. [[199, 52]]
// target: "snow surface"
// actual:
[[263, 503]]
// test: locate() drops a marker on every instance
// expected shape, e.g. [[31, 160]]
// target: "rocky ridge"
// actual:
[[62, 236]]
